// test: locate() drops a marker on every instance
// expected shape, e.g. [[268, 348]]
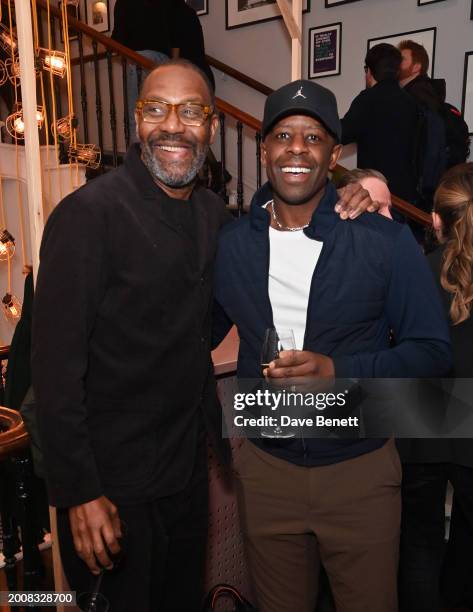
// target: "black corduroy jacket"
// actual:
[[121, 339]]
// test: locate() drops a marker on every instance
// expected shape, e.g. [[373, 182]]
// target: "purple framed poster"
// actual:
[[325, 44]]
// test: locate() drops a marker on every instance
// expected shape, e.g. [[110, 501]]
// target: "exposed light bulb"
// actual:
[[19, 125], [88, 154], [7, 40], [15, 122], [53, 61], [7, 245], [11, 307]]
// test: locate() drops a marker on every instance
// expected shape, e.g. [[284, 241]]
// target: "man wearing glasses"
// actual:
[[121, 357]]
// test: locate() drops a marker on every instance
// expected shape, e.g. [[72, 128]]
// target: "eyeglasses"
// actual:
[[189, 113]]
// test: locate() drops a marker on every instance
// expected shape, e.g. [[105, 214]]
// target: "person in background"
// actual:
[[188, 37], [382, 121], [375, 184], [145, 26], [414, 78], [429, 464]]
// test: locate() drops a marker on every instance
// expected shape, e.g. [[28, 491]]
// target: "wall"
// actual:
[[263, 50]]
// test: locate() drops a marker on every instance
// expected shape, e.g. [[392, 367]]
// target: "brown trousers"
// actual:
[[345, 515]]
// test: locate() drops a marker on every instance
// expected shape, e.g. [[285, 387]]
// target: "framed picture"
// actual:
[[426, 37], [97, 14], [325, 44], [467, 97], [72, 11], [201, 7], [422, 2], [240, 13], [329, 3]]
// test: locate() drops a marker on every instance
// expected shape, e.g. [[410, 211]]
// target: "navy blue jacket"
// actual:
[[371, 277]]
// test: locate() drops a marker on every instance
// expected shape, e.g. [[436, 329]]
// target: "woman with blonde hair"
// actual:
[[424, 581]]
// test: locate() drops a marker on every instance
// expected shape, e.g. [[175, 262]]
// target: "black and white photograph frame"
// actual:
[[325, 51], [330, 3], [422, 2], [201, 7], [72, 11], [97, 14], [426, 37], [467, 95], [240, 13]]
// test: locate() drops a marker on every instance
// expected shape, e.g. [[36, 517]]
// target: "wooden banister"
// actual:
[[239, 76], [13, 435]]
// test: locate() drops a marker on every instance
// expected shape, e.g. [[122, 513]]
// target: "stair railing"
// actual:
[[244, 123]]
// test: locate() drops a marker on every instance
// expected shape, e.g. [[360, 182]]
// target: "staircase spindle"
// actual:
[[223, 186], [240, 168], [113, 112], [56, 92], [98, 96], [83, 89], [258, 160], [139, 77], [126, 121]]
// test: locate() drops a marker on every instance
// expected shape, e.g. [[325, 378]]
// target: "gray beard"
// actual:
[[174, 178]]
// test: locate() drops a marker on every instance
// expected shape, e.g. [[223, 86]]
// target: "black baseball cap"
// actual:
[[302, 98]]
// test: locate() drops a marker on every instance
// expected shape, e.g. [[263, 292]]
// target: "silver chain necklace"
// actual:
[[280, 225]]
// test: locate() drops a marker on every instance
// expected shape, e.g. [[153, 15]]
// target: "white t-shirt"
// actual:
[[292, 260]]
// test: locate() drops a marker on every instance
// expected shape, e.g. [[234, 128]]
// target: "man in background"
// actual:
[[145, 26], [382, 121], [414, 78], [375, 184]]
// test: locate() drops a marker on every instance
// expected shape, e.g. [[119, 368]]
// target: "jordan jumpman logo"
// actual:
[[299, 94]]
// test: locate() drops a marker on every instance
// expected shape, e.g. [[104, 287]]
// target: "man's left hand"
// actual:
[[294, 364], [353, 201]]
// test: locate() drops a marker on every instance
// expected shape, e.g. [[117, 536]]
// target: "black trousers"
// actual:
[[429, 575], [164, 564]]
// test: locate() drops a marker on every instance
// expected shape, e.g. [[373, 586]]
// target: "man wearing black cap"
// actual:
[[341, 287]]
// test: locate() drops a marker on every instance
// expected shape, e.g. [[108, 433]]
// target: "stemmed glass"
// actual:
[[95, 601], [275, 341]]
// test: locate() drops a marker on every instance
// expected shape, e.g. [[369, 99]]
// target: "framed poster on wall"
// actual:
[[467, 97], [201, 7], [240, 13], [325, 44], [97, 14], [329, 3], [422, 2], [427, 38]]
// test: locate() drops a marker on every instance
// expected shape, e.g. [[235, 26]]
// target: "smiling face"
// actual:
[[298, 152], [174, 152]]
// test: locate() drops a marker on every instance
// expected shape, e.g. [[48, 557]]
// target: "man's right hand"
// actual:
[[95, 528]]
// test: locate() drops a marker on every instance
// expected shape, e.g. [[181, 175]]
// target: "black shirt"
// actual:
[[382, 120]]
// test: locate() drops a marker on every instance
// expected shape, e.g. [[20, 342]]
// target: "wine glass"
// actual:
[[95, 601], [275, 341]]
